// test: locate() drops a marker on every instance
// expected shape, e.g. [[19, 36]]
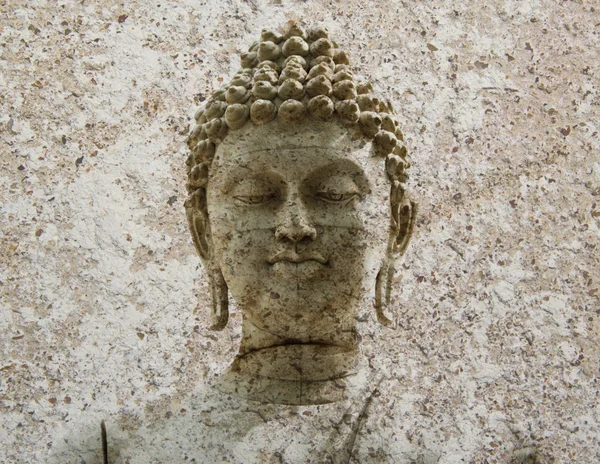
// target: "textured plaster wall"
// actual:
[[104, 304]]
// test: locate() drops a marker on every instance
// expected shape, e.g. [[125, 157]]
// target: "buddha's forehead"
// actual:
[[293, 150]]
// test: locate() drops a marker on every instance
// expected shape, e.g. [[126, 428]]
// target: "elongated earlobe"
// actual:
[[383, 292], [197, 214], [403, 212]]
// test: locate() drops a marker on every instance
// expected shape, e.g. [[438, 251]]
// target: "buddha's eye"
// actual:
[[253, 199], [335, 184], [334, 197], [254, 191]]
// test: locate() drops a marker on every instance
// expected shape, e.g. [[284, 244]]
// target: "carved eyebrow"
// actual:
[[340, 167], [241, 168], [255, 168], [240, 173]]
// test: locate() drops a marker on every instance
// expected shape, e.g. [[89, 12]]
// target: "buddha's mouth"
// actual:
[[291, 256]]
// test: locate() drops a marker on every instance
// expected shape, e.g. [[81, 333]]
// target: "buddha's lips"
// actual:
[[293, 257]]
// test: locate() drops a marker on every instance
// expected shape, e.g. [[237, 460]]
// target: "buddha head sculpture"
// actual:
[[297, 208]]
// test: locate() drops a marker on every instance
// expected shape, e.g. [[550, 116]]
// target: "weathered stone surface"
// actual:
[[297, 222], [105, 308], [302, 227]]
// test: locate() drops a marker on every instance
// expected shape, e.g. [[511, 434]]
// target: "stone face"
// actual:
[[106, 309], [300, 225], [295, 218]]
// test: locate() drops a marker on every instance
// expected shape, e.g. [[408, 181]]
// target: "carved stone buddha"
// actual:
[[297, 208]]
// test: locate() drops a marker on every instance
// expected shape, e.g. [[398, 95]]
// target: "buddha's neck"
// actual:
[[274, 369]]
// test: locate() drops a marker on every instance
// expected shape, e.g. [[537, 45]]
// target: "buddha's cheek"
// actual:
[[242, 257]]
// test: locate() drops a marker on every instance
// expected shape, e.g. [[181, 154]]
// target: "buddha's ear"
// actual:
[[404, 212], [197, 215]]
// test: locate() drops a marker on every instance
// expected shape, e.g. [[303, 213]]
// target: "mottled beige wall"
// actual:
[[104, 303]]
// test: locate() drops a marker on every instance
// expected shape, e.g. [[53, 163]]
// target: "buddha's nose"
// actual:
[[295, 226]]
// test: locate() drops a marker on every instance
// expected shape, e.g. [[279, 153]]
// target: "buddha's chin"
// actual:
[[303, 323], [299, 301]]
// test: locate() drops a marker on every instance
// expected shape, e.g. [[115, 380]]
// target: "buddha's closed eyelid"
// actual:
[[254, 191], [254, 199], [335, 197]]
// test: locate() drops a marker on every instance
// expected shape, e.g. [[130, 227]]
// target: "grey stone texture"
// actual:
[[105, 308]]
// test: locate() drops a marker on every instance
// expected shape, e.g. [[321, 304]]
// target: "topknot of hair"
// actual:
[[291, 76]]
